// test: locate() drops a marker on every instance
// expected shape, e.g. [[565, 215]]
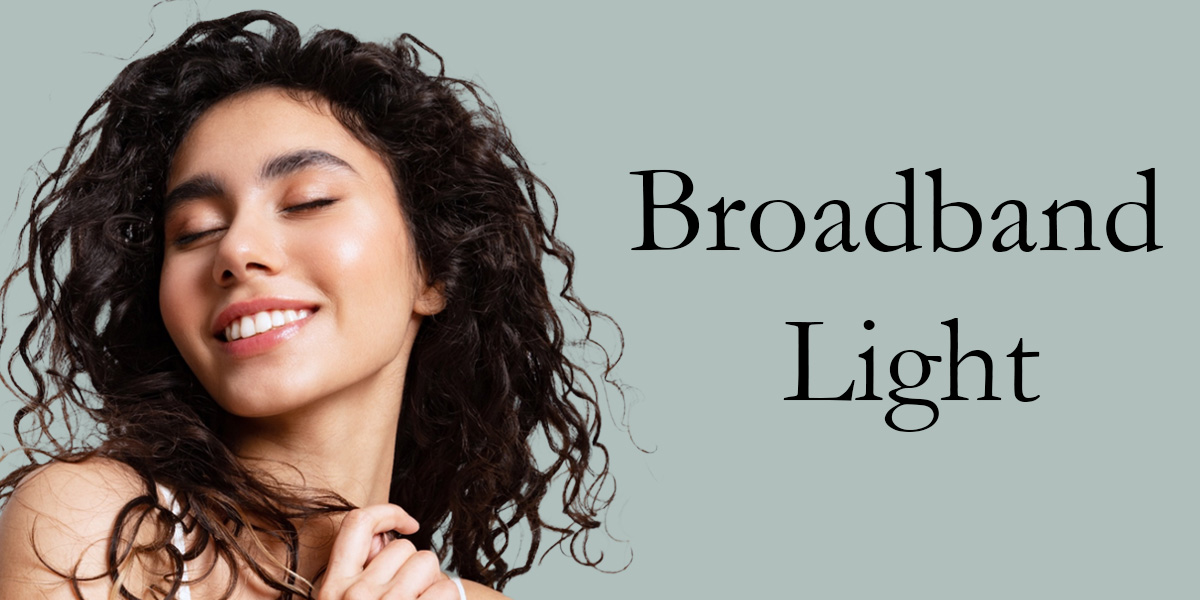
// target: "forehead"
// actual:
[[236, 136]]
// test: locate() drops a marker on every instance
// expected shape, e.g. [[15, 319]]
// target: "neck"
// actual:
[[343, 444]]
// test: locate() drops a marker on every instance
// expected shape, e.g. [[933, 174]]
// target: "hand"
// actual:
[[362, 566]]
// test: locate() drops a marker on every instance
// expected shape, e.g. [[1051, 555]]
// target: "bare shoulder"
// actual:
[[59, 520], [476, 591]]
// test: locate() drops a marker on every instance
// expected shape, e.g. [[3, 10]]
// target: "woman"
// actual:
[[298, 286]]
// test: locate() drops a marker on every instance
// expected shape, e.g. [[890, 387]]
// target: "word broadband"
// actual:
[[838, 235]]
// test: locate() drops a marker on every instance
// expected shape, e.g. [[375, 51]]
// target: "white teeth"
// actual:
[[248, 328], [252, 325]]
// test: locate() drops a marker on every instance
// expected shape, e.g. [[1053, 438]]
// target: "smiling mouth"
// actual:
[[261, 322]]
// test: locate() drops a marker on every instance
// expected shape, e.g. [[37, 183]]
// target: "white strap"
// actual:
[[177, 541], [462, 594]]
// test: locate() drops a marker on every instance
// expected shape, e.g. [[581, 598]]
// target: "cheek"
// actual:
[[177, 302], [349, 252], [168, 303], [369, 267]]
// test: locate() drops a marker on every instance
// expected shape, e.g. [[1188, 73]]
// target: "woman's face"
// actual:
[[289, 276]]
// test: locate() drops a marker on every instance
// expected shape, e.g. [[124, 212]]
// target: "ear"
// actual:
[[431, 299]]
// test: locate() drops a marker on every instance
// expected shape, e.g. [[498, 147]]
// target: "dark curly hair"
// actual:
[[491, 371]]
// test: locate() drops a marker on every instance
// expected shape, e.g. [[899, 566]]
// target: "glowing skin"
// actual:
[[275, 206]]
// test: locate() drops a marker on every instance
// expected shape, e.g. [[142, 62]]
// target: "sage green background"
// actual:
[[1089, 492]]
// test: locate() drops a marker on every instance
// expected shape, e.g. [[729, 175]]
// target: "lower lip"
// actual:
[[265, 342]]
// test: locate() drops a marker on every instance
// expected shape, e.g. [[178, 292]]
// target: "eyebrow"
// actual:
[[289, 163], [206, 185]]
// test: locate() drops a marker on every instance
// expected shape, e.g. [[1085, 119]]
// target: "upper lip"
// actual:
[[238, 310]]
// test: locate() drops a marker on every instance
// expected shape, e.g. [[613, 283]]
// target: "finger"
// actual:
[[378, 541], [421, 571], [383, 567], [353, 543]]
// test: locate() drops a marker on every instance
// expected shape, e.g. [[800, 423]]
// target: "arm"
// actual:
[[60, 518]]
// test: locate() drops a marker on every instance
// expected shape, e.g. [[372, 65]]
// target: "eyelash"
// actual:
[[323, 202], [186, 239]]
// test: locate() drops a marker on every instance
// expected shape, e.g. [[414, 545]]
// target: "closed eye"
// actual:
[[307, 206], [189, 238]]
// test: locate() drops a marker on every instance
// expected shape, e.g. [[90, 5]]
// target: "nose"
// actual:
[[248, 249]]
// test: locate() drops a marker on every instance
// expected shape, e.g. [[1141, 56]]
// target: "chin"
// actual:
[[268, 405]]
